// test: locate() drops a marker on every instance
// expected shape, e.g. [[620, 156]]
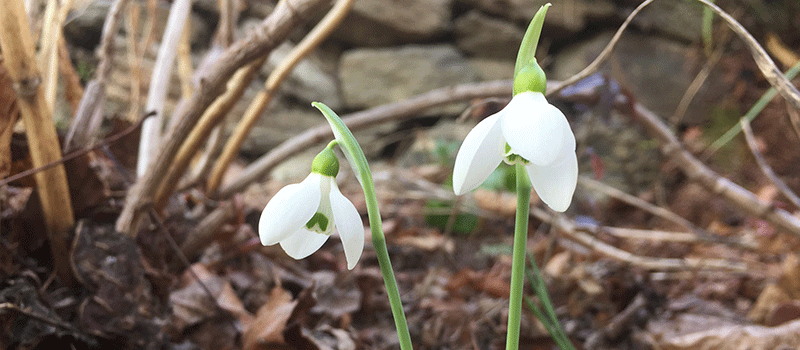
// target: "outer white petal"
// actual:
[[349, 224], [555, 185], [480, 153], [535, 129], [289, 210], [303, 243]]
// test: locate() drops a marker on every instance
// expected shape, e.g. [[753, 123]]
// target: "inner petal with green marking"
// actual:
[[318, 223]]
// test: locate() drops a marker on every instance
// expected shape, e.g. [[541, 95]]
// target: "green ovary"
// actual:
[[318, 223]]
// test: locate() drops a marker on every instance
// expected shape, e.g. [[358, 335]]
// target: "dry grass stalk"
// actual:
[[272, 31], [259, 104], [18, 51]]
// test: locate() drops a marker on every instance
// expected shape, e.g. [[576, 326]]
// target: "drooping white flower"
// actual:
[[534, 130], [302, 216]]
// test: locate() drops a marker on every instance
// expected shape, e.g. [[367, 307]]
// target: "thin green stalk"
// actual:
[[518, 257], [548, 317], [358, 161], [753, 112]]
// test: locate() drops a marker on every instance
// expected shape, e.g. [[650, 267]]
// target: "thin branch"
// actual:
[[712, 181], [259, 104], [763, 61], [275, 28], [604, 55], [575, 233], [88, 118], [213, 116], [406, 109], [72, 155], [696, 232], [765, 168]]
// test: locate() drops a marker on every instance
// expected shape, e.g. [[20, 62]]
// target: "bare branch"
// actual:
[[765, 168], [275, 28]]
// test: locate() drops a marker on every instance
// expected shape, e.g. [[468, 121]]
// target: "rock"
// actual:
[[564, 18], [678, 19], [281, 121], [372, 77], [388, 22], [657, 71], [483, 36], [492, 69], [308, 81], [84, 28]]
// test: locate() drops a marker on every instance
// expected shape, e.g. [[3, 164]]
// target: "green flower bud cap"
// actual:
[[530, 78], [326, 163]]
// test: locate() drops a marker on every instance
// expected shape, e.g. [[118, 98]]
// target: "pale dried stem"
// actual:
[[697, 83], [406, 109], [273, 30], [259, 104], [88, 118], [765, 168], [18, 53], [185, 61], [159, 84], [576, 233]]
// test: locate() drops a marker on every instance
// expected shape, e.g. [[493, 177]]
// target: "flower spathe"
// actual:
[[302, 216], [534, 130]]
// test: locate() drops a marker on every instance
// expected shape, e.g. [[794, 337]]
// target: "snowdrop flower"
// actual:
[[302, 216], [527, 130]]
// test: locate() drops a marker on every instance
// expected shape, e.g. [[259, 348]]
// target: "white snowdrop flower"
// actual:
[[302, 216], [528, 127]]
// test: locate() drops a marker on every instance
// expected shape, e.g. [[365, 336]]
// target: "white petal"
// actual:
[[289, 210], [303, 243], [535, 129], [349, 224], [555, 185], [480, 153]]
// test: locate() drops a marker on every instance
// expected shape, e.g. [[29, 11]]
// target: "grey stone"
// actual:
[[492, 69], [308, 81], [372, 77], [483, 36], [564, 18], [389, 22], [657, 71], [84, 27], [677, 18]]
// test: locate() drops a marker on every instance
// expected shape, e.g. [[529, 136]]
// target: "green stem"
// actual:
[[358, 161], [518, 257]]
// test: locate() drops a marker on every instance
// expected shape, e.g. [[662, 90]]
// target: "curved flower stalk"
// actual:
[[536, 138], [302, 216], [527, 130]]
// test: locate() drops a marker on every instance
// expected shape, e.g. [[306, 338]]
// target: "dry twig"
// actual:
[[259, 104], [393, 111], [275, 28], [89, 116], [763, 61], [765, 168], [576, 233]]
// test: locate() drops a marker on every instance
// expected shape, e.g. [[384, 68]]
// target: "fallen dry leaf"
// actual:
[[266, 331]]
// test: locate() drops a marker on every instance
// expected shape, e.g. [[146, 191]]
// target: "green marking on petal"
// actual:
[[318, 223]]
